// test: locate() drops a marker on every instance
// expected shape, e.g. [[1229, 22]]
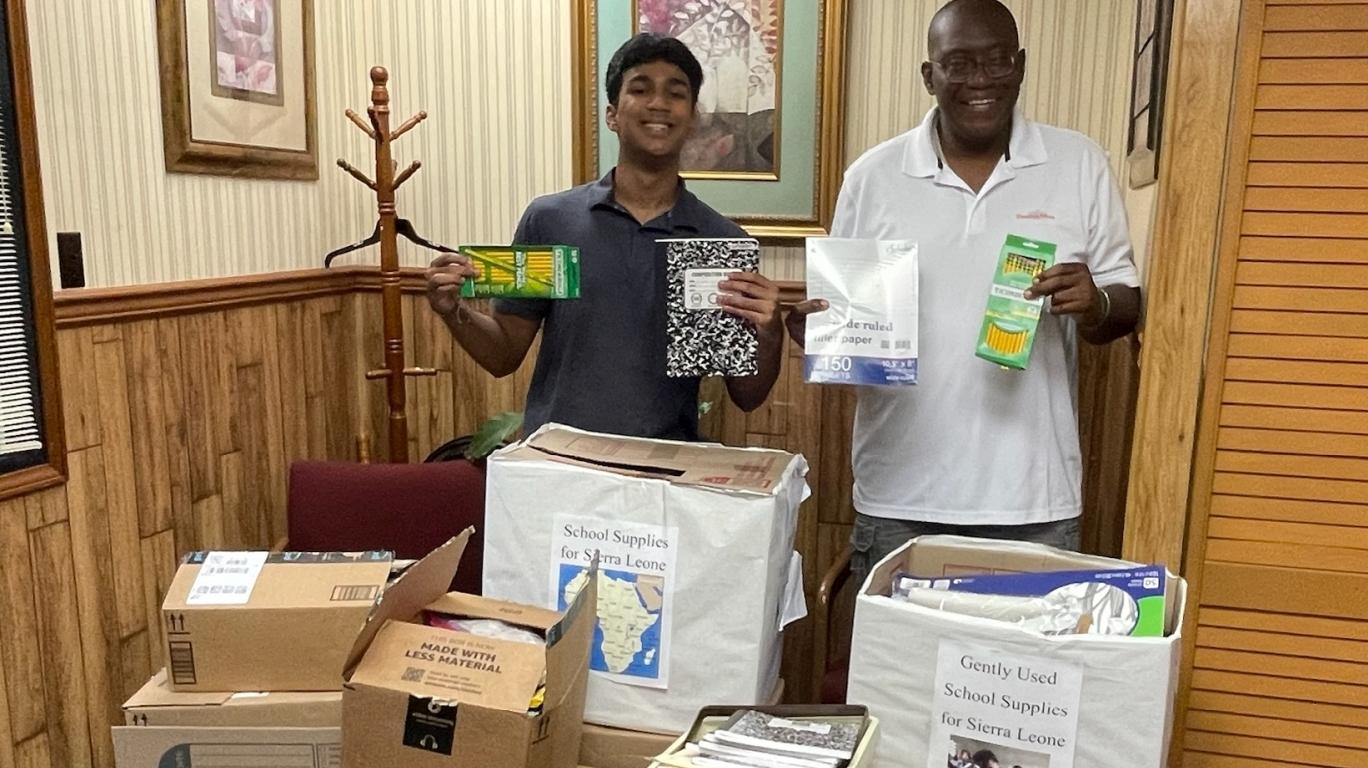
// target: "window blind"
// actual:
[[21, 417]]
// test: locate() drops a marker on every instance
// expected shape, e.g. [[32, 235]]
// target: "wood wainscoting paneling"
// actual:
[[184, 406]]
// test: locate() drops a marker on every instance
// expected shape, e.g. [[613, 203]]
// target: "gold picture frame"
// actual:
[[794, 198], [237, 88]]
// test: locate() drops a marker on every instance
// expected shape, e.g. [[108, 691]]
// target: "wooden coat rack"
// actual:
[[386, 183]]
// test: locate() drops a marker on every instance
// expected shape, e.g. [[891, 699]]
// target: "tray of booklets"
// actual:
[[786, 736]]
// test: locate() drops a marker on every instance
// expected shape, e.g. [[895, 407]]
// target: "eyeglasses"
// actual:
[[961, 69]]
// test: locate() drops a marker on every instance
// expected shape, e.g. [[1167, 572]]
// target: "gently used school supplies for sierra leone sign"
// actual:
[[1022, 708], [1010, 321], [869, 333], [703, 339]]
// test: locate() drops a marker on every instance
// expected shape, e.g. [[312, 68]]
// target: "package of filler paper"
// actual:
[[868, 335]]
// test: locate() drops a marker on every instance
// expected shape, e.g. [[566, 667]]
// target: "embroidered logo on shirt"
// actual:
[[1036, 215]]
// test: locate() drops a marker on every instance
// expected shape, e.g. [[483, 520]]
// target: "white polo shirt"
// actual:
[[972, 443]]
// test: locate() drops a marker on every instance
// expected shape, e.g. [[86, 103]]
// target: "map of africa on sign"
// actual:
[[627, 640]]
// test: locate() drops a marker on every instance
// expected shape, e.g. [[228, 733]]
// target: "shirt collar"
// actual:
[[687, 211], [923, 159]]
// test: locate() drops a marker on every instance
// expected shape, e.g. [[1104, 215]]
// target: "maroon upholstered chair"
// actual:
[[408, 508]]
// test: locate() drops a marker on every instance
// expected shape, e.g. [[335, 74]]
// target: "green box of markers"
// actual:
[[523, 272], [1010, 320]]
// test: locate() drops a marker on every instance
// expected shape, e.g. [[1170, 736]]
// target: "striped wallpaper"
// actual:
[[493, 76]]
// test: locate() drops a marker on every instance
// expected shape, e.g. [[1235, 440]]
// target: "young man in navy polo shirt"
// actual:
[[601, 364]]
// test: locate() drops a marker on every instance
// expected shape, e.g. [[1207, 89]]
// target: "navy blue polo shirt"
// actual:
[[601, 365]]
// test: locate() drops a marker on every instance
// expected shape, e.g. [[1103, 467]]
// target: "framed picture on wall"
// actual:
[[237, 87], [1154, 21], [767, 148]]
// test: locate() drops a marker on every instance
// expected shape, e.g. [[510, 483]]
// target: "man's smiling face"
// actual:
[[655, 110], [976, 38]]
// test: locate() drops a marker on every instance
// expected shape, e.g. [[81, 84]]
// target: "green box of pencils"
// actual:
[[1010, 321], [523, 272]]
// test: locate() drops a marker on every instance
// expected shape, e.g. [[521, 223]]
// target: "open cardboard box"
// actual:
[[424, 697]]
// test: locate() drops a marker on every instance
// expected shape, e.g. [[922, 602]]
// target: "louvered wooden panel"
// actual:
[[1332, 324], [1274, 174], [1321, 250], [1314, 512], [1332, 422], [1280, 654], [1289, 442]]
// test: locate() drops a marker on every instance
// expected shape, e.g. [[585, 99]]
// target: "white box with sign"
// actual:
[[697, 570], [944, 684]]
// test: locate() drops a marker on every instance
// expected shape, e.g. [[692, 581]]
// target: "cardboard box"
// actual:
[[424, 697], [271, 729], [187, 747], [942, 682], [695, 546], [156, 705], [712, 718], [603, 747], [262, 621]]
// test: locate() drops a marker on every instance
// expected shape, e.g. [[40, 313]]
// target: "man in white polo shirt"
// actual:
[[973, 448]]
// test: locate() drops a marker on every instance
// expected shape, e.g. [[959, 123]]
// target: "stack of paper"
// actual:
[[758, 740]]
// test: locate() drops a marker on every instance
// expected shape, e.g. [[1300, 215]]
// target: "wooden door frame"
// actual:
[[1215, 56], [1192, 189]]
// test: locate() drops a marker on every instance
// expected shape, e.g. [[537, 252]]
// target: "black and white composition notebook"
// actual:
[[704, 340]]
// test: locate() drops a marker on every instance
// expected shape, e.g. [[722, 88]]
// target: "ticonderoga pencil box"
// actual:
[[1127, 601], [523, 271], [1009, 322]]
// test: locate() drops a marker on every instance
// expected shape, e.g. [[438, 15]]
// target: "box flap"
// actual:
[[155, 704], [156, 693], [568, 642], [280, 580], [477, 607], [423, 582], [749, 470], [453, 666]]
